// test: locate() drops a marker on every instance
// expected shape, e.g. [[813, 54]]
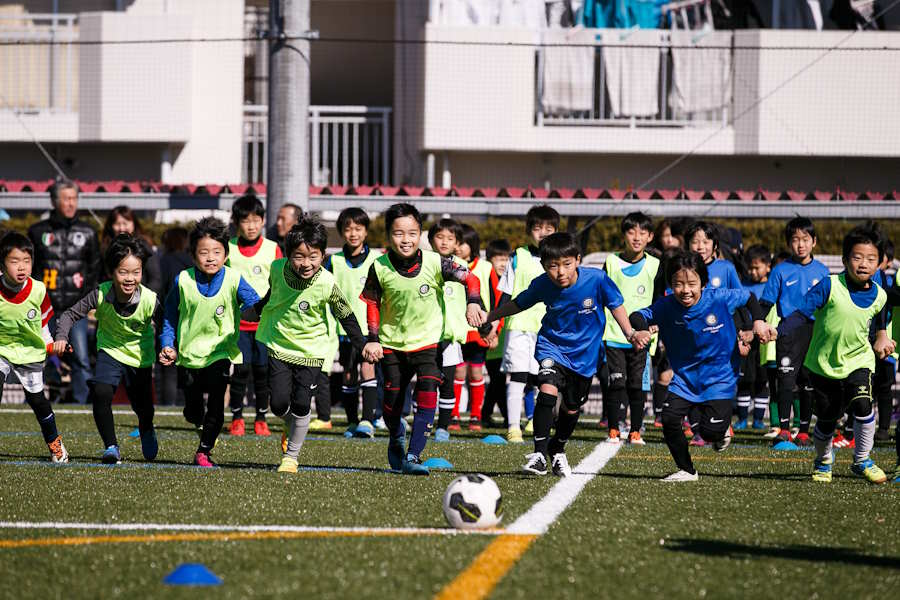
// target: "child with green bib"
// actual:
[[405, 320], [25, 312], [297, 330], [126, 312], [201, 318], [841, 360]]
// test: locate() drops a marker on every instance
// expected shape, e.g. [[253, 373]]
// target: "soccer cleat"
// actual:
[[613, 437], [395, 448], [514, 436], [58, 453], [441, 435], [320, 425], [237, 428], [772, 433], [635, 439], [202, 459], [740, 425], [560, 465], [529, 426], [379, 423], [869, 470], [802, 440], [697, 441], [454, 425], [759, 425], [364, 430], [725, 441], [680, 476], [149, 445], [851, 443], [839, 441], [112, 456], [784, 442], [657, 423], [261, 428], [794, 431], [602, 424], [351, 429], [413, 466], [688, 432], [535, 464], [288, 465], [474, 425], [822, 469]]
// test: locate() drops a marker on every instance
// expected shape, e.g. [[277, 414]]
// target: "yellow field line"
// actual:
[[487, 569]]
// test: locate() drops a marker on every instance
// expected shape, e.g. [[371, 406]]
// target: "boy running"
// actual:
[[753, 384]]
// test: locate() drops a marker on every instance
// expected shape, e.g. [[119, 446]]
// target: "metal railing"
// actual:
[[38, 77], [602, 111], [349, 145]]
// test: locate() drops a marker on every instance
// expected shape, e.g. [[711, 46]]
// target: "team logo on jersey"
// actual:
[[32, 314], [711, 319], [448, 291], [814, 282], [48, 238], [785, 361], [587, 302], [424, 289], [137, 325], [547, 363], [641, 289], [78, 239], [715, 282], [304, 305], [220, 310], [257, 269]]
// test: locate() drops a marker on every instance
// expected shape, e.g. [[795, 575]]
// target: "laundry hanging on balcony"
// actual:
[[522, 13], [568, 71], [631, 66], [701, 70]]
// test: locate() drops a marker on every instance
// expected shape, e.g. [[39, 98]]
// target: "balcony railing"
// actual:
[[349, 145], [41, 73]]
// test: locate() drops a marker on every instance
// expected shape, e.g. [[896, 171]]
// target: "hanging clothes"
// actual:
[[530, 14], [568, 83], [631, 68], [468, 12], [701, 70]]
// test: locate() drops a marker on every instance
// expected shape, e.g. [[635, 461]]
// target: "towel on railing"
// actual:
[[568, 70], [631, 67], [701, 70]]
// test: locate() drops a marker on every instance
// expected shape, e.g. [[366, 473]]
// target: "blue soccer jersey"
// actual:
[[756, 288], [572, 330], [788, 283], [722, 274], [701, 343]]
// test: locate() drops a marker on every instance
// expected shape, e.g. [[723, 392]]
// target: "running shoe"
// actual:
[[261, 428], [802, 440], [535, 464], [680, 476], [514, 436], [869, 470], [529, 427], [740, 425], [320, 425], [724, 442], [112, 456], [772, 433], [697, 441], [560, 465], [58, 453], [149, 445], [822, 468], [635, 439], [202, 459], [238, 427], [613, 437], [364, 430], [288, 465], [413, 466], [441, 435]]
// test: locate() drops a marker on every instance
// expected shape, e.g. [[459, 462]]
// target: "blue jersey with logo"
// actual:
[[572, 330], [722, 274], [701, 343], [756, 288], [788, 283]]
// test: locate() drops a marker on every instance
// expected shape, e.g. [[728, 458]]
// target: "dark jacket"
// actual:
[[66, 258]]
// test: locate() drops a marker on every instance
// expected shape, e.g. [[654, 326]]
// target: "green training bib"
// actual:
[[411, 307], [208, 327], [21, 342], [527, 269], [129, 340], [254, 269], [351, 281]]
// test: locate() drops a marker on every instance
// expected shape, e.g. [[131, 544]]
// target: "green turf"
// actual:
[[749, 524]]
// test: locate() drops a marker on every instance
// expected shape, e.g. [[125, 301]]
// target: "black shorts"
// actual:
[[790, 352], [474, 353], [626, 368], [833, 397], [572, 387], [712, 418], [111, 372], [660, 360]]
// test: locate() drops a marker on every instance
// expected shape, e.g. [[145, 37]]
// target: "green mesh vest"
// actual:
[[411, 313], [637, 291], [208, 327], [351, 281], [21, 342], [129, 339], [254, 269], [840, 339], [527, 269], [482, 270], [454, 305]]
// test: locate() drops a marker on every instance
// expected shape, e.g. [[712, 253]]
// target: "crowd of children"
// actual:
[[669, 311]]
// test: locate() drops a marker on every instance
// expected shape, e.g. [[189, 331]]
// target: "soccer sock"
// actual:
[[369, 399], [785, 403], [864, 435], [805, 402], [543, 420], [350, 400], [822, 442], [774, 421], [261, 390], [636, 401], [101, 405], [458, 385], [299, 427], [660, 392], [529, 403], [614, 407], [677, 444], [425, 404], [759, 408], [476, 395], [565, 426], [323, 396], [44, 414], [743, 407], [514, 392], [796, 406], [239, 377]]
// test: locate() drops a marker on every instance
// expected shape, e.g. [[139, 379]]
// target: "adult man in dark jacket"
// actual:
[[67, 259]]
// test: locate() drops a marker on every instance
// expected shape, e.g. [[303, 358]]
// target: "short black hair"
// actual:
[[863, 235], [636, 220], [559, 245], [889, 249], [122, 246], [781, 256], [354, 215], [14, 240], [497, 248], [471, 238], [710, 230], [691, 261], [445, 224], [210, 227], [541, 213], [308, 231], [247, 205], [398, 211], [758, 252], [798, 224]]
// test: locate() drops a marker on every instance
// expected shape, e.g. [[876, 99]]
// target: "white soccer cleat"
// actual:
[[535, 464], [560, 465], [679, 476]]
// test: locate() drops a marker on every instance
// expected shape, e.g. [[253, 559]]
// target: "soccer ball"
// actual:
[[473, 502]]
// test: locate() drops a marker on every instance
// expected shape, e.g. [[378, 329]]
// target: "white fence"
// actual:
[[349, 145]]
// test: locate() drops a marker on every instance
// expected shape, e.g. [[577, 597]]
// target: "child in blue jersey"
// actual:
[[696, 324], [787, 285], [753, 384], [842, 310], [568, 343], [701, 237], [200, 330]]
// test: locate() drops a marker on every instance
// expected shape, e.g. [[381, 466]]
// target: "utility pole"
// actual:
[[289, 62]]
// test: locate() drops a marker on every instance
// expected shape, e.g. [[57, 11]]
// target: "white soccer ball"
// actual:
[[473, 502]]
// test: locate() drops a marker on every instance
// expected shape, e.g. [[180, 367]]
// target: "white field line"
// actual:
[[541, 516]]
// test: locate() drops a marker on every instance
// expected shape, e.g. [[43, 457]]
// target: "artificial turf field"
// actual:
[[755, 525]]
